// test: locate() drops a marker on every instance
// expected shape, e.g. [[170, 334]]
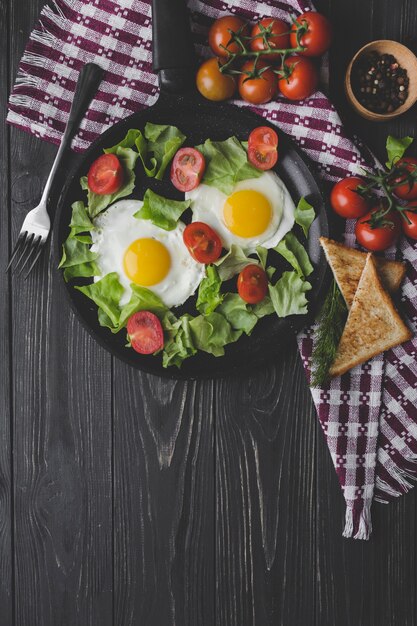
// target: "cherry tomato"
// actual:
[[410, 229], [219, 34], [187, 169], [381, 237], [145, 332], [404, 191], [257, 90], [212, 84], [280, 37], [346, 201], [203, 243], [252, 284], [302, 81], [105, 175], [317, 38], [262, 148]]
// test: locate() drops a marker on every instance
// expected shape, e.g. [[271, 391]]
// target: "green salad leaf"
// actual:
[[263, 308], [396, 148], [106, 293], [80, 221], [77, 259], [226, 164], [179, 345], [288, 295], [238, 313], [161, 211], [295, 253], [212, 332], [262, 254], [209, 296], [233, 262], [142, 299], [158, 144], [304, 215]]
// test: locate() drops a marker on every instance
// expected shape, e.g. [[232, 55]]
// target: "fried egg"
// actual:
[[144, 254], [258, 212]]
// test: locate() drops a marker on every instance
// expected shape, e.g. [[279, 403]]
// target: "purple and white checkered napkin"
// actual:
[[368, 416]]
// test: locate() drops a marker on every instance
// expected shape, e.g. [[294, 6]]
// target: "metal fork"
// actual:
[[37, 224]]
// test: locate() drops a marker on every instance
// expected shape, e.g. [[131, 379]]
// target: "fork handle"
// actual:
[[88, 81]]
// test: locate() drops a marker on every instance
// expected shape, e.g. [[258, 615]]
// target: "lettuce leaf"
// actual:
[[288, 295], [161, 211], [238, 313], [262, 255], [396, 148], [106, 293], [80, 222], [162, 142], [294, 252], [179, 345], [211, 333], [142, 299], [263, 308], [209, 296], [81, 270], [226, 164], [304, 215], [77, 260], [233, 262]]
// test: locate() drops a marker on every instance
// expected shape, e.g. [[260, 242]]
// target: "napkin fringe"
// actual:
[[405, 479], [363, 524]]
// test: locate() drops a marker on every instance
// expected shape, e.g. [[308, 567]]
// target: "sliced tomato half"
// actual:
[[187, 169], [105, 175], [203, 243], [263, 148], [145, 332]]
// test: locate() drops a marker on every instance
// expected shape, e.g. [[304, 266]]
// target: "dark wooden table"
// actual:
[[126, 499]]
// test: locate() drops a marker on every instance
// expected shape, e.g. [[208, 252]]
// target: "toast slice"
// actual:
[[347, 265], [373, 325]]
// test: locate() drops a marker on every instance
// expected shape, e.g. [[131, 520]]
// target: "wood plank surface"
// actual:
[[126, 499]]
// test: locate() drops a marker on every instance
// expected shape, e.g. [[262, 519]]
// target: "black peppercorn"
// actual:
[[379, 83]]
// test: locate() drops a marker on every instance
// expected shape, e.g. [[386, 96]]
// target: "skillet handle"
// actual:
[[172, 46]]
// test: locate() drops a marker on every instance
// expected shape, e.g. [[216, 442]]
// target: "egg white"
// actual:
[[116, 228], [207, 206]]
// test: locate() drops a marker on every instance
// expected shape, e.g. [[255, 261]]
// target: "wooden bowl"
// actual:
[[406, 59]]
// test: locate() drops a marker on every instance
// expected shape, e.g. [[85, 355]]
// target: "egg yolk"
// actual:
[[247, 213], [146, 262]]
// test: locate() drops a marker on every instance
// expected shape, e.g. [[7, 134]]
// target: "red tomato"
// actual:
[[203, 243], [145, 332], [187, 169], [262, 148], [302, 81], [219, 34], [381, 237], [212, 84], [252, 284], [257, 90], [346, 201], [404, 191], [105, 175], [410, 229], [279, 37], [318, 36]]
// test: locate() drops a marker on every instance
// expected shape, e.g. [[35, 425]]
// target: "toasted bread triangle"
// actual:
[[347, 265], [373, 324]]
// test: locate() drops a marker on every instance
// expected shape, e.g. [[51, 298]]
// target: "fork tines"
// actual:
[[27, 249]]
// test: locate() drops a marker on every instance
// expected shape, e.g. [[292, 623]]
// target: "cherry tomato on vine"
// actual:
[[212, 84], [219, 35], [187, 169], [203, 243], [302, 81], [105, 175], [279, 37], [346, 201], [262, 148], [317, 37], [410, 229], [145, 332], [381, 237], [404, 191], [252, 284], [260, 89]]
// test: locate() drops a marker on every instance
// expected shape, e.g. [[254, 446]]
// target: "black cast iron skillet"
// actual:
[[179, 104]]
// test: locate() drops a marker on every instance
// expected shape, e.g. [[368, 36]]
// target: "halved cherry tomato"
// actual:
[[260, 89], [262, 148], [346, 201], [410, 229], [279, 37], [212, 84], [219, 34], [105, 175], [302, 81], [203, 243], [404, 191], [381, 237], [187, 169], [145, 332], [317, 38], [252, 284]]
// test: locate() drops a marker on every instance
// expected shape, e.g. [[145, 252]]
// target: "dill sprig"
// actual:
[[330, 323]]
